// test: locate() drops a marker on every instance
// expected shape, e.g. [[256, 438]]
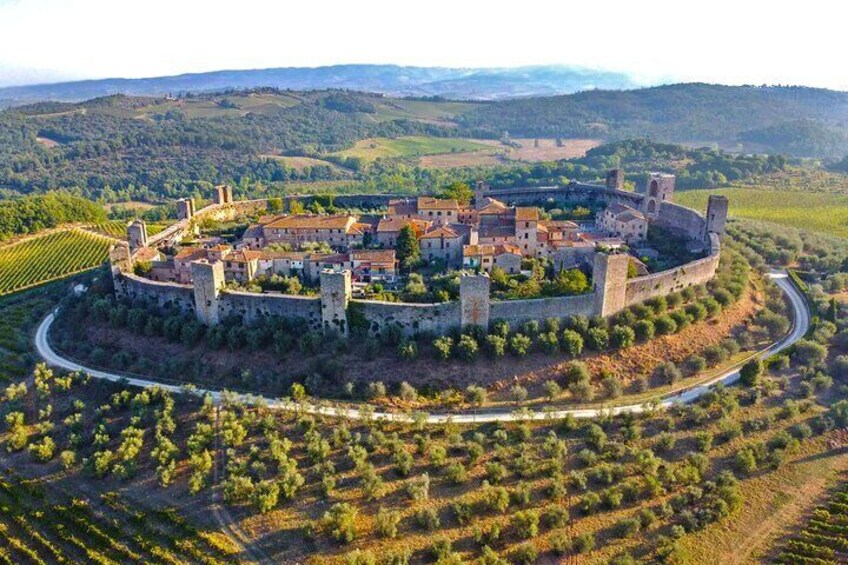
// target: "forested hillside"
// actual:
[[33, 213], [121, 148], [682, 112]]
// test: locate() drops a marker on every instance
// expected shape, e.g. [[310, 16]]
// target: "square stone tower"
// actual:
[[223, 194], [480, 195], [716, 215], [474, 300], [185, 208], [335, 296], [119, 262], [615, 179], [208, 279], [137, 235], [609, 275], [660, 189]]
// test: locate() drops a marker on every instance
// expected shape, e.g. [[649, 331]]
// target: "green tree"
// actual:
[[407, 247], [750, 372]]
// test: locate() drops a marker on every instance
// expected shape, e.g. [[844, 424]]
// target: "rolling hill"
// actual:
[[455, 83]]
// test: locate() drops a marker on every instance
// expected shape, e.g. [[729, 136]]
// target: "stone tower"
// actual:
[[474, 300], [208, 279], [609, 274], [716, 215], [480, 195], [660, 188], [615, 179], [335, 296], [137, 235], [185, 208], [119, 262], [223, 194]]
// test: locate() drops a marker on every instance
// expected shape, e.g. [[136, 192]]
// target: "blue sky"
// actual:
[[733, 42]]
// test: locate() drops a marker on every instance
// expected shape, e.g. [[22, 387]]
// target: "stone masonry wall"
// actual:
[[253, 307], [517, 312], [697, 272], [168, 296], [410, 318]]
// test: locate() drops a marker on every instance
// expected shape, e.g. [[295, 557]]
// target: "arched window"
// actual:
[[654, 188], [652, 206]]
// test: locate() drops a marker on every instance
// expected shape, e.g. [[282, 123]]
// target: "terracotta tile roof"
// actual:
[[402, 208], [270, 254], [474, 250], [431, 203], [560, 225], [440, 232], [624, 213], [373, 255], [497, 231], [190, 254], [146, 254], [221, 247], [502, 248], [328, 257], [390, 225], [525, 214], [305, 221], [244, 256]]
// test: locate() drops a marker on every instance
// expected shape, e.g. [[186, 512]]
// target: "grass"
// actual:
[[381, 147], [49, 257], [814, 211]]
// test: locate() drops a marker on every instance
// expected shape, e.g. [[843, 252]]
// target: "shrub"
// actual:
[[496, 345], [612, 386], [520, 345], [518, 393], [704, 441], [418, 488], [597, 339], [667, 372], [443, 346], [622, 337], [695, 364], [809, 353], [643, 330], [665, 325], [526, 523], [584, 543], [340, 522], [376, 389], [552, 389], [495, 472], [525, 554], [572, 343], [749, 374], [467, 347], [427, 519], [407, 392], [441, 548], [549, 342], [476, 395], [582, 390], [408, 349]]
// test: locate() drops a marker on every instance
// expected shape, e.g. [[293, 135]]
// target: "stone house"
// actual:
[[622, 221], [486, 257]]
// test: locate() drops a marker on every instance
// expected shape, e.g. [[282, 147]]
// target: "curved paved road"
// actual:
[[801, 323]]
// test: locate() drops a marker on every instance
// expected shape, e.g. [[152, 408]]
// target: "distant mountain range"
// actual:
[[452, 83]]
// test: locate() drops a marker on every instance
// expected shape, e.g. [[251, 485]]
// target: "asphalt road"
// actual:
[[801, 323]]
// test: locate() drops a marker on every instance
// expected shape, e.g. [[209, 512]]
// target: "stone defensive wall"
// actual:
[[334, 307], [411, 318], [516, 312], [697, 272]]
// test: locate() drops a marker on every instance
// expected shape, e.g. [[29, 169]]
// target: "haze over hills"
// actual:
[[455, 83]]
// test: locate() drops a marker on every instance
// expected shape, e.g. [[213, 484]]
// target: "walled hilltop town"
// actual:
[[498, 230]]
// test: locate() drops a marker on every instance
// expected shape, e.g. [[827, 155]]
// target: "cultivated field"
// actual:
[[301, 163], [381, 147], [49, 257], [815, 211]]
